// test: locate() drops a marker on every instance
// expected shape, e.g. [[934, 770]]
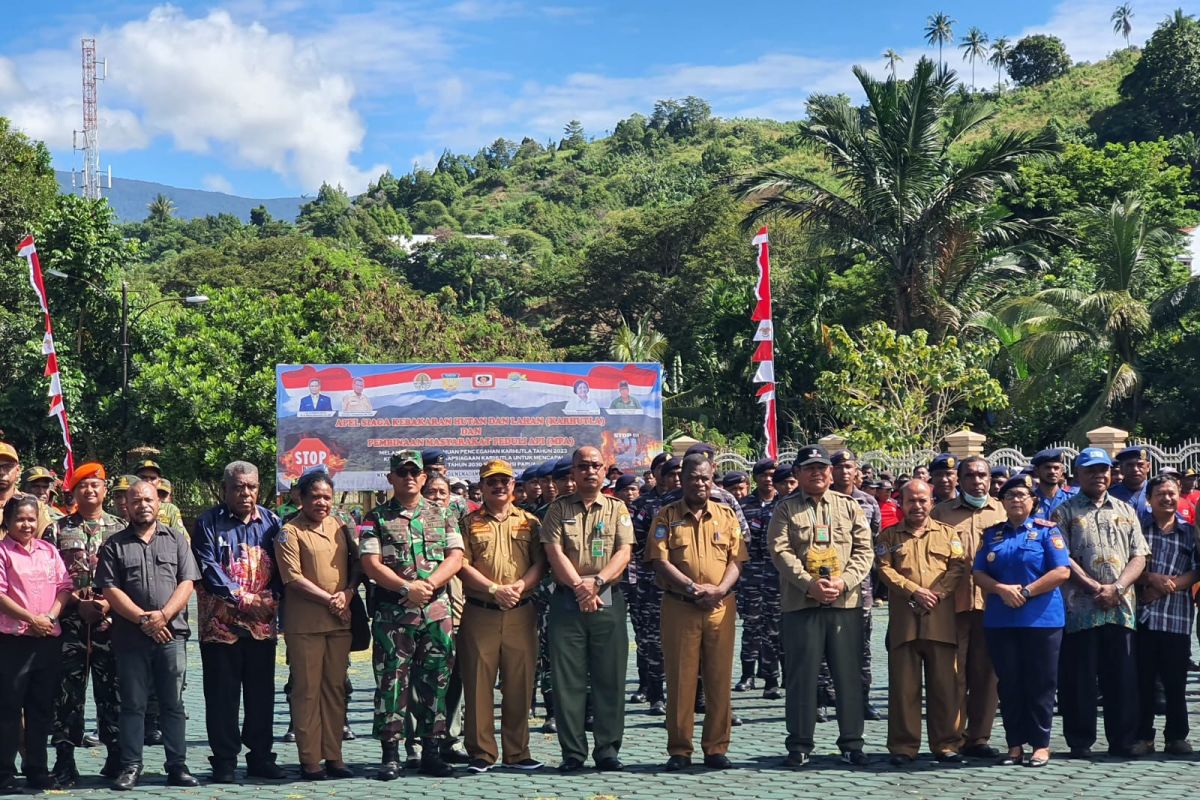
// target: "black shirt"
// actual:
[[149, 574]]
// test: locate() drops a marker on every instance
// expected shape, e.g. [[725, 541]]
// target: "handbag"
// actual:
[[360, 622]]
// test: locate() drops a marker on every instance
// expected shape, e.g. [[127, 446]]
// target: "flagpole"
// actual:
[[764, 352]]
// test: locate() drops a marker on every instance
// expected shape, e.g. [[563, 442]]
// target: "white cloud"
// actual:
[[1086, 28], [252, 97], [480, 10], [217, 183]]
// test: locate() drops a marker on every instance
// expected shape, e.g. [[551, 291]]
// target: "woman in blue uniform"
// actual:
[[1020, 565]]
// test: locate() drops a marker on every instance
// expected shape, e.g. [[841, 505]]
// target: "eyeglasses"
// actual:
[[406, 472], [589, 466], [497, 480]]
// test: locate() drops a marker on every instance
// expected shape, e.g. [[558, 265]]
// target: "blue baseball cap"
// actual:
[[943, 461], [561, 469], [1133, 454], [1091, 456], [763, 466], [733, 478], [433, 456], [1048, 456], [782, 473], [1001, 471], [625, 481]]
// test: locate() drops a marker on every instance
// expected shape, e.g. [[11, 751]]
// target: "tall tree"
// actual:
[[1122, 20], [1163, 90], [1037, 59], [892, 58], [939, 29], [999, 59], [1113, 320], [900, 198], [974, 47], [160, 209]]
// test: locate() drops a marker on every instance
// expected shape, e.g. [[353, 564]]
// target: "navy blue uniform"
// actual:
[[758, 591], [1024, 642]]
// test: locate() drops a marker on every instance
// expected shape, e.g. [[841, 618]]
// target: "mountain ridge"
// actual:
[[129, 198]]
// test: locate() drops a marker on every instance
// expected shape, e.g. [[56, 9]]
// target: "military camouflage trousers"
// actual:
[[72, 693], [645, 606], [412, 673], [541, 599], [758, 607]]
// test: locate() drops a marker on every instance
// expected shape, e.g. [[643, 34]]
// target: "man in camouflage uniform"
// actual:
[[168, 513], [845, 477], [434, 460], [411, 549], [542, 476], [39, 482], [758, 589], [647, 596], [629, 585], [85, 628]]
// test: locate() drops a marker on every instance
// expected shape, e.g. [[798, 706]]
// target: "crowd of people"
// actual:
[[1059, 583]]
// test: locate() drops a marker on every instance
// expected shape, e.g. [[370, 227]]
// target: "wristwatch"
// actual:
[[1120, 587], [493, 589], [1026, 593], [691, 586], [53, 619], [403, 591], [600, 582]]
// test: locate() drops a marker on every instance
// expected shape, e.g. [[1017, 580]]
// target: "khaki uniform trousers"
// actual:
[[491, 641], [696, 642], [318, 662], [977, 686], [905, 664]]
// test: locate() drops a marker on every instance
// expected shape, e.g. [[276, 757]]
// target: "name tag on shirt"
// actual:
[[822, 536]]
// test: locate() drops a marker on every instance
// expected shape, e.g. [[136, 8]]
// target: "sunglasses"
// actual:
[[406, 472]]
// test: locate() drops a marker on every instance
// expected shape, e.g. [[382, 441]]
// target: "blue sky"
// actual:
[[268, 98]]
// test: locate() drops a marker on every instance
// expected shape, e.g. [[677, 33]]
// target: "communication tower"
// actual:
[[91, 124]]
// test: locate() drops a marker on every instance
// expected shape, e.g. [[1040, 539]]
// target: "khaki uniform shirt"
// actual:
[[970, 523], [588, 535], [321, 554], [806, 534], [700, 546], [502, 549], [933, 558], [357, 404]]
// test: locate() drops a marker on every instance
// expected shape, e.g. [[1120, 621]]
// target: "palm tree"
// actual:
[[1122, 20], [1124, 307], [939, 29], [974, 46], [999, 59], [901, 200], [160, 209], [640, 345], [892, 58]]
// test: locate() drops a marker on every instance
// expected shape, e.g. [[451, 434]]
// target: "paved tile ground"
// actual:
[[756, 750]]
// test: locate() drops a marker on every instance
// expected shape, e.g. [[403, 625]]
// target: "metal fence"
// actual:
[[1182, 457]]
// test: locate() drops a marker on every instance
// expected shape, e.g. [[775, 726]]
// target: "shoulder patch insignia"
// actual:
[[660, 532], [991, 556], [625, 521], [956, 547], [1045, 523], [1058, 542], [1032, 536], [881, 549]]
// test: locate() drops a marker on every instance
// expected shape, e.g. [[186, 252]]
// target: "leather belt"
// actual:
[[494, 607]]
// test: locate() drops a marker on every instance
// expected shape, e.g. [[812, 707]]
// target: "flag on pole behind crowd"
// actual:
[[58, 408], [764, 352]]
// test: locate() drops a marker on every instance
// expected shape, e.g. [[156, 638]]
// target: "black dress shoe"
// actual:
[[432, 764], [290, 736], [979, 751], [10, 786], [676, 763], [949, 757], [610, 764], [735, 720], [797, 760], [549, 726], [822, 716], [179, 776], [856, 758], [267, 769], [901, 760], [45, 782], [658, 709], [745, 684], [772, 692], [570, 765], [338, 772], [319, 775], [637, 697], [153, 737], [224, 773], [128, 778], [718, 761], [347, 734], [1080, 752], [589, 722], [871, 713]]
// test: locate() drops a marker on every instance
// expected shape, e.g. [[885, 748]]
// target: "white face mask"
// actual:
[[973, 501]]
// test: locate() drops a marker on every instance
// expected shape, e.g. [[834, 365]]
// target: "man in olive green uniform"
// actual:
[[970, 512], [922, 562], [39, 482], [411, 549], [821, 546], [503, 563], [588, 538], [697, 551], [85, 622]]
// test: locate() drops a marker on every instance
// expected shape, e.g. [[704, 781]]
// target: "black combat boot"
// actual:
[[389, 767], [431, 760], [65, 771], [747, 681]]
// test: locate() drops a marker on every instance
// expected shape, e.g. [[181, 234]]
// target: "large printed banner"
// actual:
[[352, 417]]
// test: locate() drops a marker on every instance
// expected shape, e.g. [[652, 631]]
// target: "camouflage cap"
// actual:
[[406, 457]]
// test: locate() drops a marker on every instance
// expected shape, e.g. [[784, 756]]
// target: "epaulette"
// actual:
[[1046, 523]]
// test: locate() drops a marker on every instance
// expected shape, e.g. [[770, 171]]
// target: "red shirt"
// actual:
[[889, 514]]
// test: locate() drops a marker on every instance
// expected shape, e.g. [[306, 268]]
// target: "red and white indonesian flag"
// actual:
[[764, 352], [58, 408]]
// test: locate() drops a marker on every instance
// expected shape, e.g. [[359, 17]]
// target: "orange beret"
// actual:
[[91, 469]]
